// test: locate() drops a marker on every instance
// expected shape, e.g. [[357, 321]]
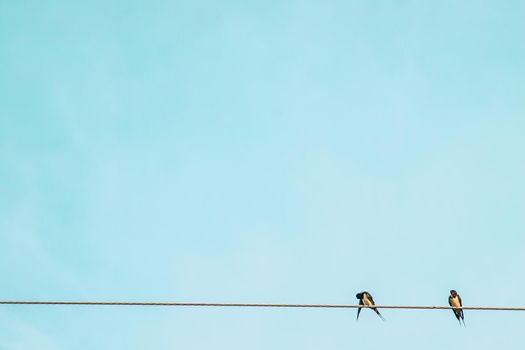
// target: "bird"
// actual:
[[366, 299], [454, 300]]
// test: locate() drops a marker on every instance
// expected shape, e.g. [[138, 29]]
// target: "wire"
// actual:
[[195, 304]]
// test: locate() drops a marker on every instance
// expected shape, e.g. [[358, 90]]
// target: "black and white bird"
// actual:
[[454, 300], [366, 299]]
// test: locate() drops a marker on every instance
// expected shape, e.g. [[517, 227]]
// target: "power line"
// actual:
[[243, 305]]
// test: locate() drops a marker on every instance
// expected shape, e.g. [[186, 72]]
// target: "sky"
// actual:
[[265, 152]]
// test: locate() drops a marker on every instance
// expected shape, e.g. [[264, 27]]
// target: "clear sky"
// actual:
[[269, 151]]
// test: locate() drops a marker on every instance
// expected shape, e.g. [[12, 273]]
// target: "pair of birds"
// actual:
[[454, 300]]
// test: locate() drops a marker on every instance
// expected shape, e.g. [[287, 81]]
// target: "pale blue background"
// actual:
[[272, 151]]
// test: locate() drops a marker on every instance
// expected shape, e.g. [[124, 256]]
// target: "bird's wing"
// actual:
[[359, 309], [371, 299], [450, 301], [461, 311]]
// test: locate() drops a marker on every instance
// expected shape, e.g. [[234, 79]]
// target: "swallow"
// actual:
[[454, 300], [366, 299]]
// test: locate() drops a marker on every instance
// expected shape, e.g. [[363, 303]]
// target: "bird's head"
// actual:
[[359, 296], [453, 293]]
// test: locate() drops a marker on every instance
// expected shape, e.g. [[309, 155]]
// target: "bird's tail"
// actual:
[[379, 314]]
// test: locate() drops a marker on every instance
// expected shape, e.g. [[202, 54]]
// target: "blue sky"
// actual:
[[274, 151]]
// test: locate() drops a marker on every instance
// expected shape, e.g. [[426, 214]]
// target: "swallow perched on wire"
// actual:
[[454, 300], [366, 299]]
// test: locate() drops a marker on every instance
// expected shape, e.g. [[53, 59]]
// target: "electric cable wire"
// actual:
[[251, 305]]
